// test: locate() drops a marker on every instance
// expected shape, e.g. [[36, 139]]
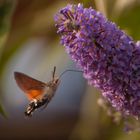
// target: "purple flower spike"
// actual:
[[109, 58]]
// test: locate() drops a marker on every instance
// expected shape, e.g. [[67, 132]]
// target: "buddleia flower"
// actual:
[[109, 58]]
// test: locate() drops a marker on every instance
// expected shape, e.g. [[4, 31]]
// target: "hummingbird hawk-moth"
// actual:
[[38, 93]]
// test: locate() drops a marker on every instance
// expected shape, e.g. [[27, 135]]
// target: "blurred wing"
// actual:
[[32, 87]]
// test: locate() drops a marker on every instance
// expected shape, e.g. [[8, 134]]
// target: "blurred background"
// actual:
[[29, 44]]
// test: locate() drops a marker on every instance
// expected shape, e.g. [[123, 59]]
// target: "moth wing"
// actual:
[[33, 88]]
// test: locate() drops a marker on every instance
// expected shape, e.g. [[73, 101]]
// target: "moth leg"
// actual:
[[46, 100], [45, 105]]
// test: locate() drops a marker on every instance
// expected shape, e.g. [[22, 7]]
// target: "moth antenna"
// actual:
[[53, 73], [69, 71]]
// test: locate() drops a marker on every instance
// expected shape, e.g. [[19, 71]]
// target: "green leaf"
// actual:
[[2, 112], [6, 11]]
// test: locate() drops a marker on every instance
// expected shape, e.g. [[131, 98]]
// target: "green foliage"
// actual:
[[129, 20], [2, 112], [6, 8]]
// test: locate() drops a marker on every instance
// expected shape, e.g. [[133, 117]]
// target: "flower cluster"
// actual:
[[109, 58]]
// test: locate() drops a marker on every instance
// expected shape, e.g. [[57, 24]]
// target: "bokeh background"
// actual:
[[29, 44]]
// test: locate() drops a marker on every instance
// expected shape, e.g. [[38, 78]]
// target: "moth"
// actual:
[[38, 93]]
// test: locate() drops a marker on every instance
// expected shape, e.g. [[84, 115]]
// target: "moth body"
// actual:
[[38, 93]]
